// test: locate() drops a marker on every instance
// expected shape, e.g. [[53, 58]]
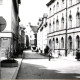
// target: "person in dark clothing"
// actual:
[[50, 53]]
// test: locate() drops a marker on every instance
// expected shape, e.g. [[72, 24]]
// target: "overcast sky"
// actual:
[[31, 10]]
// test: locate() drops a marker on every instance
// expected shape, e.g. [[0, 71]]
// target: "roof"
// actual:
[[34, 28], [50, 2]]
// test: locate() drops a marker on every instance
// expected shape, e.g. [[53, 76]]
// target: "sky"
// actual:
[[32, 10]]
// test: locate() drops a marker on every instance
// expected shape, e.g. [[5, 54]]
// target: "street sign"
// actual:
[[2, 23]]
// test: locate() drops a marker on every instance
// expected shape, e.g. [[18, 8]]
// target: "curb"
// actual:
[[11, 73], [16, 71]]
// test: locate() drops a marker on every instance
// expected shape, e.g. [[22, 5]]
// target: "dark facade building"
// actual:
[[9, 36]]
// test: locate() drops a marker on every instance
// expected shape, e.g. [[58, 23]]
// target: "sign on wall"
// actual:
[[2, 23]]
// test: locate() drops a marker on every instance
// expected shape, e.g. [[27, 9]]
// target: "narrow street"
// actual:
[[36, 66]]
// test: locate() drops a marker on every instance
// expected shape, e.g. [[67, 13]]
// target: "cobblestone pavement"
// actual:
[[45, 69], [33, 55]]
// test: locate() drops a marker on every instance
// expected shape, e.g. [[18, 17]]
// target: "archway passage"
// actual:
[[70, 43]]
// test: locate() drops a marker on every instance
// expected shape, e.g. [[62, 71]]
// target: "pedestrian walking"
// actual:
[[50, 54]]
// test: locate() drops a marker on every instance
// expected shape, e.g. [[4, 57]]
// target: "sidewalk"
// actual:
[[10, 73], [70, 58]]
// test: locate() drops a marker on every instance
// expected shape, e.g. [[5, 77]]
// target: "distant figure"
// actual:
[[50, 54]]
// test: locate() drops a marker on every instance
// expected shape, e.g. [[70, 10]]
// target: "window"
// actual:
[[77, 42], [77, 18], [53, 24], [56, 40], [70, 2], [57, 24], [62, 42], [62, 1], [49, 27], [70, 20], [50, 12], [70, 42], [62, 22], [77, 1], [57, 6], [62, 4], [53, 9]]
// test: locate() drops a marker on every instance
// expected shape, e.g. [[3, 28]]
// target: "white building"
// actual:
[[31, 33], [42, 33], [64, 26]]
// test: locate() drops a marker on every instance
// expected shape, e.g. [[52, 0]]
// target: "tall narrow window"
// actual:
[[57, 24], [62, 4], [53, 25], [53, 9], [70, 20], [50, 12], [62, 1], [78, 18], [57, 6], [62, 22], [70, 2], [56, 40], [62, 42], [70, 42], [57, 44], [49, 27], [77, 42]]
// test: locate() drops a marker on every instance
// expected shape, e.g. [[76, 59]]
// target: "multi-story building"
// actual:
[[31, 33], [42, 33], [9, 35], [22, 37], [64, 26]]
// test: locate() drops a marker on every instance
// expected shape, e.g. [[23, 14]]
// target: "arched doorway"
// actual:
[[62, 42], [77, 42], [70, 43]]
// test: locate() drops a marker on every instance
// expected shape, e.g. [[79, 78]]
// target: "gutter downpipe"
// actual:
[[66, 32]]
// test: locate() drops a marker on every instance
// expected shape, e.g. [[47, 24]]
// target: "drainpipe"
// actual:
[[66, 32]]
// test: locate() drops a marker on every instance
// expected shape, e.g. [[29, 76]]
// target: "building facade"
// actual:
[[9, 36], [64, 26], [42, 33], [22, 36], [31, 33]]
